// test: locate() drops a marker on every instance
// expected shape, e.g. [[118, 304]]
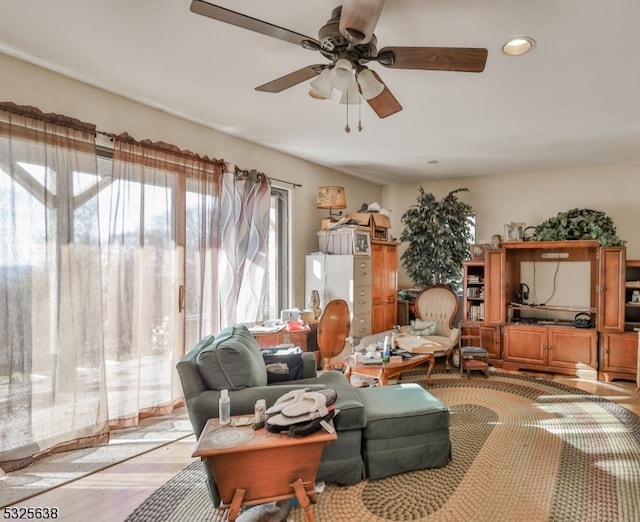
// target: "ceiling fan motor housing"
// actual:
[[335, 45]]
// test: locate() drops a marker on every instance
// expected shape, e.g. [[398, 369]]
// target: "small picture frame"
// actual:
[[477, 251], [361, 242], [513, 232]]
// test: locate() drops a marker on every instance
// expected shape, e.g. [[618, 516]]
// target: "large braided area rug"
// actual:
[[523, 450]]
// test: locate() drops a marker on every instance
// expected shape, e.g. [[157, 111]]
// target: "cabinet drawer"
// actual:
[[361, 300], [361, 271], [361, 325]]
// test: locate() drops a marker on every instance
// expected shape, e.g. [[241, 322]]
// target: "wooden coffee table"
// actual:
[[385, 371], [266, 468]]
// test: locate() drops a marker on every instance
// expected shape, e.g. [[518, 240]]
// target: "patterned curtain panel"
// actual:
[[245, 203], [52, 391]]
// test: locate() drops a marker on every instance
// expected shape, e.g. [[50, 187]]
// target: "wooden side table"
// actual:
[[266, 468]]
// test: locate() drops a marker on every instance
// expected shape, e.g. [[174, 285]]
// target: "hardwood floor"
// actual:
[[112, 494]]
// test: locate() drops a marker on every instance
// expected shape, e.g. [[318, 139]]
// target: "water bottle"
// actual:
[[385, 349], [224, 407]]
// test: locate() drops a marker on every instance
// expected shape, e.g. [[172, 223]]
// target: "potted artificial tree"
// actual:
[[439, 234]]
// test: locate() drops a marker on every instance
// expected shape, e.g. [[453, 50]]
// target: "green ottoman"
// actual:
[[407, 429]]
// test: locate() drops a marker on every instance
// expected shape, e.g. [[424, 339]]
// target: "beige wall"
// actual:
[[528, 198], [531, 198], [26, 84]]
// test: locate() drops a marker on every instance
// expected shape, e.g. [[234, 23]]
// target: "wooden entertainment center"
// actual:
[[523, 327]]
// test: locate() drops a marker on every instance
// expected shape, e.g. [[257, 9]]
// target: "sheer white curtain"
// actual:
[[52, 391], [202, 243], [144, 319], [109, 275], [244, 232]]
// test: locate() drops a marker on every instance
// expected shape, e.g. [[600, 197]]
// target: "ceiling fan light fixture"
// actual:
[[322, 87], [518, 46], [369, 84], [351, 96], [316, 95], [342, 74]]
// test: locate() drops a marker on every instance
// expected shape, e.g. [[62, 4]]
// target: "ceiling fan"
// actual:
[[348, 42]]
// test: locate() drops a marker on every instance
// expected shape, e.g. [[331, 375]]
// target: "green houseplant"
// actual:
[[578, 224], [439, 234]]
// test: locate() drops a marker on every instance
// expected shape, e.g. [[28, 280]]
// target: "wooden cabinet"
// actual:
[[611, 284], [367, 283], [555, 349], [618, 351], [384, 287], [632, 295], [483, 308], [343, 277], [488, 337], [563, 278], [484, 298], [495, 300], [618, 356]]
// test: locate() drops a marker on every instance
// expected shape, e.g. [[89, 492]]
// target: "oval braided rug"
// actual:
[[523, 450]]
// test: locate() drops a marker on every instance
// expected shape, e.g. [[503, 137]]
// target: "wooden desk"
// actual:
[[271, 339], [267, 468]]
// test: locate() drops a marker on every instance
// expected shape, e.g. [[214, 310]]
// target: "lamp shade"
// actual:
[[331, 197], [322, 84], [351, 95], [342, 74], [369, 84]]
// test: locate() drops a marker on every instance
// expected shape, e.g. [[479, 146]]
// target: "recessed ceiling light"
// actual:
[[519, 45], [433, 162]]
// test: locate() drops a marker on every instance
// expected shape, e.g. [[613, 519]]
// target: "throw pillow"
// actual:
[[422, 327], [233, 362]]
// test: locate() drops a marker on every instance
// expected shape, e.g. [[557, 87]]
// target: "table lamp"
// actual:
[[333, 198]]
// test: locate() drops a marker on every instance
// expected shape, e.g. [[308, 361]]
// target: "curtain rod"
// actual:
[[294, 185], [112, 136], [253, 172]]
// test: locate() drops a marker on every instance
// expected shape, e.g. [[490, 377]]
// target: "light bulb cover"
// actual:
[[370, 86], [518, 46], [342, 74], [351, 95], [322, 84]]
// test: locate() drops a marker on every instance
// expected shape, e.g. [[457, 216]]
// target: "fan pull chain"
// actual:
[[360, 114], [347, 129]]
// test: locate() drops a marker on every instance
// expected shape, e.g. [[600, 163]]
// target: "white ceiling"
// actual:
[[573, 101]]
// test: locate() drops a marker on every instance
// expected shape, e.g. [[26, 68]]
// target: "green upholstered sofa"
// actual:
[[233, 360], [381, 431]]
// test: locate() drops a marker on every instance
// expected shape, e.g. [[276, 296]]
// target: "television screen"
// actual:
[[561, 284]]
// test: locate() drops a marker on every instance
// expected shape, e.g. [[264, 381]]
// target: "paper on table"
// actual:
[[267, 328], [415, 344]]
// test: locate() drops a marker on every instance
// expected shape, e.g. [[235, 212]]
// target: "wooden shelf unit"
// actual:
[[619, 350], [481, 304], [473, 291], [602, 351]]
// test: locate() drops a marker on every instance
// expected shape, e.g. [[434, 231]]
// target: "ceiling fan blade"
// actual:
[[247, 22], [291, 79], [360, 17], [466, 59], [385, 104]]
